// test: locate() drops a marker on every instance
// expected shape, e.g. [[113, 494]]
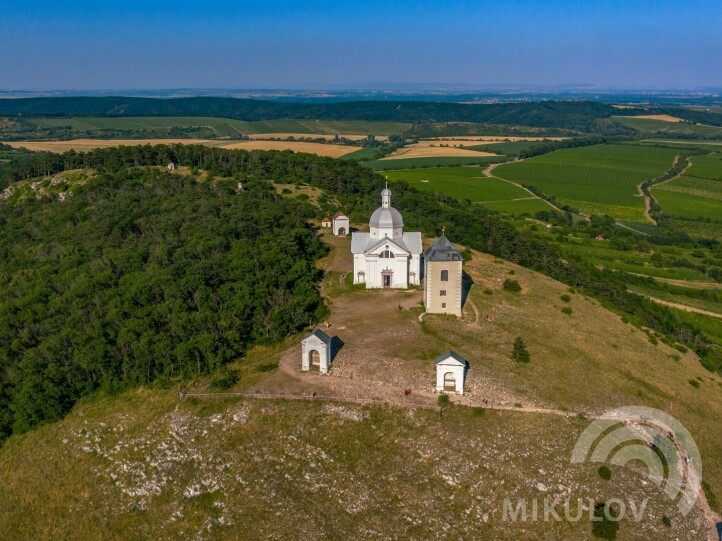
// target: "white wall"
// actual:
[[340, 222], [458, 371], [308, 345]]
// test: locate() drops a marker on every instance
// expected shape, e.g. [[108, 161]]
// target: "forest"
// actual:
[[146, 276], [576, 115]]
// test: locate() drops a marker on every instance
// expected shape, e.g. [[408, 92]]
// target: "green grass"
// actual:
[[599, 179], [224, 127], [689, 197], [699, 230], [469, 183], [381, 165], [506, 147], [361, 154], [709, 166], [653, 125]]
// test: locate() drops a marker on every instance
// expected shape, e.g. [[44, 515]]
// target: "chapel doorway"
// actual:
[[386, 278], [341, 231], [449, 382], [315, 358]]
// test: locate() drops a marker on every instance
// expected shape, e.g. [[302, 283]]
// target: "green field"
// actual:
[[709, 166], [690, 197], [382, 165], [599, 179], [506, 147], [469, 183], [367, 153], [225, 127], [654, 125]]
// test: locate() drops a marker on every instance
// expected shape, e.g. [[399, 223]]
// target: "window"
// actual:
[[444, 275], [386, 254], [443, 305], [442, 293]]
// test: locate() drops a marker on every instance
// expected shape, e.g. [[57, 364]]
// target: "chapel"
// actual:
[[386, 257]]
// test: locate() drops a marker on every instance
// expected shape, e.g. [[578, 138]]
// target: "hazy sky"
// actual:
[[104, 44]]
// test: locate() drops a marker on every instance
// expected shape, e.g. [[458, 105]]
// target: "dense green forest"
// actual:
[[576, 115], [143, 275]]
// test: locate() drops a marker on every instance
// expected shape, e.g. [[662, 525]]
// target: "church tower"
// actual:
[[443, 278]]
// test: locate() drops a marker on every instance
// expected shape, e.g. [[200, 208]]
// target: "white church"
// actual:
[[386, 257]]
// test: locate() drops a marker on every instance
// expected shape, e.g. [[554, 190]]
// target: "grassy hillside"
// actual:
[[143, 464], [599, 179]]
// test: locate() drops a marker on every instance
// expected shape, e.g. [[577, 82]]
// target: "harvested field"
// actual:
[[665, 118], [330, 150], [432, 149], [328, 137], [494, 138]]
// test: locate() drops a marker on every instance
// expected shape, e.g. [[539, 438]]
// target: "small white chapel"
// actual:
[[386, 257]]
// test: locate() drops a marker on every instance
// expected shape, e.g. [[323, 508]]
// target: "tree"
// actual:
[[520, 353]]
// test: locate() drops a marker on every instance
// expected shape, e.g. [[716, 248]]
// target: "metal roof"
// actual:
[[442, 250], [451, 355], [318, 333]]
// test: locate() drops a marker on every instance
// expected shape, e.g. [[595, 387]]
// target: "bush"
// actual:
[[566, 298], [567, 310], [694, 383], [512, 285], [605, 473], [667, 521], [443, 400], [603, 527], [225, 380], [520, 353]]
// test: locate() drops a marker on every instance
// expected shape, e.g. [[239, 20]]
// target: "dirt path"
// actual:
[[648, 200], [475, 309], [620, 224], [682, 283], [685, 307], [487, 173]]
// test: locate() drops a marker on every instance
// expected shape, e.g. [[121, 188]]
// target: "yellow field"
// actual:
[[256, 136], [492, 138], [665, 118], [333, 151], [432, 149]]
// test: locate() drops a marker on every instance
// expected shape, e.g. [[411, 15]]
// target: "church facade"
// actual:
[[386, 257]]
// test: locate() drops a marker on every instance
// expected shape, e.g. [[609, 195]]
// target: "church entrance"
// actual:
[[386, 278], [315, 358], [341, 231], [449, 382]]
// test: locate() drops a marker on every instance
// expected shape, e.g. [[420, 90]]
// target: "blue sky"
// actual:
[[82, 44]]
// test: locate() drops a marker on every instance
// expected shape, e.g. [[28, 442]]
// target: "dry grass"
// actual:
[[492, 138]]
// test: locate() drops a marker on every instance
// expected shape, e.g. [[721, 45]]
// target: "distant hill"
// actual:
[[548, 114]]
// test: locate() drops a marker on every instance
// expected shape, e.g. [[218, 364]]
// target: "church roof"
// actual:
[[386, 217], [362, 242], [339, 214], [442, 250], [325, 220], [451, 355], [318, 333]]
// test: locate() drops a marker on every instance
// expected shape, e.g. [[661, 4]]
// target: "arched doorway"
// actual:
[[342, 231], [314, 358], [449, 382]]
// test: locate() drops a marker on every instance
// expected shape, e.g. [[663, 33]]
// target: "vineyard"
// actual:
[[599, 179]]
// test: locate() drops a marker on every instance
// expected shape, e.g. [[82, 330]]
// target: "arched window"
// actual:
[[444, 275], [387, 254]]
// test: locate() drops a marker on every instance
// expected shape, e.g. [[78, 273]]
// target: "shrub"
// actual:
[[225, 380], [605, 473], [694, 383], [567, 310], [667, 521], [512, 285], [603, 527], [566, 298], [520, 353], [488, 291], [443, 400], [512, 271]]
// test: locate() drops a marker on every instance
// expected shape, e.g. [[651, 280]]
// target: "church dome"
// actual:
[[386, 218]]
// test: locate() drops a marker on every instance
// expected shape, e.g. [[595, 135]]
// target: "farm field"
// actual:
[[509, 147], [649, 124], [226, 127], [434, 149], [321, 149], [469, 183], [599, 179], [439, 161], [690, 197]]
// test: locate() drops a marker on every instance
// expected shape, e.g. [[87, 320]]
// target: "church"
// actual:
[[386, 257]]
